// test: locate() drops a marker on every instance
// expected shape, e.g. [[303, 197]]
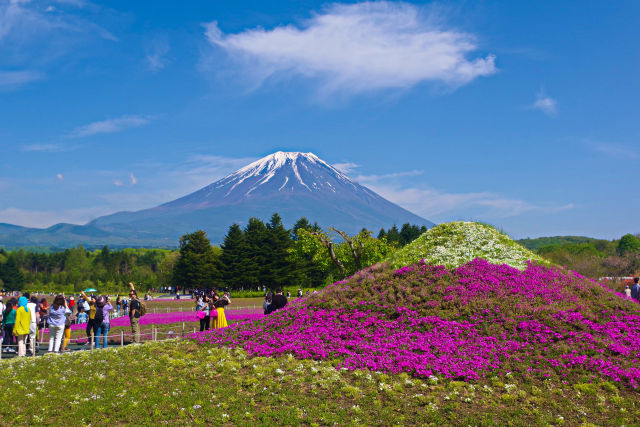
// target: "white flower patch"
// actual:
[[456, 243]]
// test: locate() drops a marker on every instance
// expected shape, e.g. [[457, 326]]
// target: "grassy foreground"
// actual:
[[180, 382]]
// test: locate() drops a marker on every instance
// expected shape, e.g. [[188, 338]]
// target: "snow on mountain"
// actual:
[[281, 174], [291, 183]]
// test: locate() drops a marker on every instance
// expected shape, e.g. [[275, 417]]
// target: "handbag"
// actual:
[[201, 314]]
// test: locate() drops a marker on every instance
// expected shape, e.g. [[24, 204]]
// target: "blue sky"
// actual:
[[521, 114]]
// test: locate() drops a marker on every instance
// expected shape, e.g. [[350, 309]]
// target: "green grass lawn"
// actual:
[[180, 382]]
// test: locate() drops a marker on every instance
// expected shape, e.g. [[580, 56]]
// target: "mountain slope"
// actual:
[[290, 183]]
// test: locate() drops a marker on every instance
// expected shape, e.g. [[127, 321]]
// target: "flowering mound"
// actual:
[[469, 322], [455, 243]]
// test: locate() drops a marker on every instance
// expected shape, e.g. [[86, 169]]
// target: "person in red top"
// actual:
[[44, 309]]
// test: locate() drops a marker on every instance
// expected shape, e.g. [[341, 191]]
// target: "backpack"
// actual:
[[143, 308], [99, 317]]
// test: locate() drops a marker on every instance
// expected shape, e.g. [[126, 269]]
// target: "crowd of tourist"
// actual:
[[23, 317]]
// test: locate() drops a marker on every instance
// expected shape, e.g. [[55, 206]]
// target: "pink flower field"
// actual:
[[466, 323]]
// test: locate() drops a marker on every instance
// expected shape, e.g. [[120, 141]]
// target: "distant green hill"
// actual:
[[537, 243]]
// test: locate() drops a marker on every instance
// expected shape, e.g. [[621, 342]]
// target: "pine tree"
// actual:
[[393, 236], [233, 259], [277, 269], [256, 251], [12, 277], [197, 264]]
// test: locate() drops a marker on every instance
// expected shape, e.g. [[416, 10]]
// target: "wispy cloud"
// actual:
[[431, 203], [156, 53], [133, 179], [14, 79], [110, 126], [356, 48], [50, 147], [60, 177], [346, 167], [47, 218], [546, 104], [374, 179], [619, 151]]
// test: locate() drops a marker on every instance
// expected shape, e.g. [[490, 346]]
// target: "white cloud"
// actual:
[[156, 56], [430, 203], [15, 79], [545, 104], [133, 179], [118, 182], [110, 126], [50, 147], [60, 177], [41, 219], [618, 151], [346, 167], [203, 169], [355, 48], [374, 179]]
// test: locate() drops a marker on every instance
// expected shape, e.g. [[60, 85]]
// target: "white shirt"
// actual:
[[32, 307]]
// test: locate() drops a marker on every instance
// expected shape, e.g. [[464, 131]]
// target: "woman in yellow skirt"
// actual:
[[218, 304]]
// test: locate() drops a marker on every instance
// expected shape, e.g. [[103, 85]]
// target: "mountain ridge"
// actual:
[[294, 184]]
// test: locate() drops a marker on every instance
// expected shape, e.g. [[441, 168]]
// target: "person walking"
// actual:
[[57, 319], [22, 326], [635, 289], [134, 313], [8, 322], [118, 305]]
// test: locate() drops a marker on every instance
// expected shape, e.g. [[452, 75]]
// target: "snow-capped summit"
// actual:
[[293, 184], [281, 173]]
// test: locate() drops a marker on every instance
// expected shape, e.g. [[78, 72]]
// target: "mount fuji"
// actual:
[[291, 183]]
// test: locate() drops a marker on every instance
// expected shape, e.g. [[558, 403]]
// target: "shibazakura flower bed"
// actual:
[[465, 323]]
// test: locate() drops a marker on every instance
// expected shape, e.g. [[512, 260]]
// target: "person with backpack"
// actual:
[[92, 314], [8, 321], [101, 320], [137, 309]]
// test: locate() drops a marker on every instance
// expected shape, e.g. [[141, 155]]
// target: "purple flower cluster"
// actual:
[[462, 323]]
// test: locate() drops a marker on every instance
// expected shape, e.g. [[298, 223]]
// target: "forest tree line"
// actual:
[[267, 254], [259, 254]]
